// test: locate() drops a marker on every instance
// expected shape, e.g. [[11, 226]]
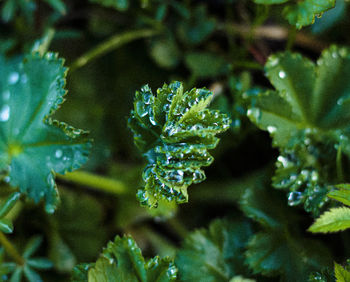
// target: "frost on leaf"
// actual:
[[308, 118], [174, 131], [301, 13], [122, 260], [32, 145]]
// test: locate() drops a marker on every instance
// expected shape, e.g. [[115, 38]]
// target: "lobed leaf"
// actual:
[[215, 254], [301, 13], [33, 146], [122, 261], [174, 131], [308, 120]]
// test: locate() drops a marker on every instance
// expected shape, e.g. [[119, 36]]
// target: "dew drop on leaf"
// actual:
[[282, 74], [58, 154], [271, 129], [13, 77], [294, 198], [5, 113]]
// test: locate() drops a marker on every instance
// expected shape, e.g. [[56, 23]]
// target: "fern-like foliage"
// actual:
[[122, 260], [301, 13], [174, 131], [32, 145], [308, 119]]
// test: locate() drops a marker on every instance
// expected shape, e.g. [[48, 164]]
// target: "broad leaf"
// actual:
[[32, 145], [308, 119], [174, 131], [215, 254], [336, 219], [301, 13], [122, 261]]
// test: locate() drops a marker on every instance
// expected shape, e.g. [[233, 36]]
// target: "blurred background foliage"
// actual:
[[218, 44]]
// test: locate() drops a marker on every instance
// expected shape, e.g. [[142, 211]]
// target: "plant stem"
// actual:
[[97, 182], [110, 44], [10, 249], [178, 227], [339, 165]]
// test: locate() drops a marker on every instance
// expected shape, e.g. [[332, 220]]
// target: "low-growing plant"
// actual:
[[216, 139]]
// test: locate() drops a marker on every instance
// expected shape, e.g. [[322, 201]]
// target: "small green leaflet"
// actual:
[[6, 225], [308, 118], [215, 254], [33, 146], [174, 131], [336, 219], [341, 274], [301, 13], [122, 260]]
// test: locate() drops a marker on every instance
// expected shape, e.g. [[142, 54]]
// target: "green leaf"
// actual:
[[6, 225], [341, 274], [304, 12], [80, 272], [301, 13], [308, 120], [215, 254], [271, 253], [336, 219], [174, 131], [33, 146], [341, 194], [57, 5], [279, 249], [8, 204], [120, 5], [122, 261]]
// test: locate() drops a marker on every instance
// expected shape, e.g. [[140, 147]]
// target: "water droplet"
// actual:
[[273, 61], [152, 120], [283, 161], [340, 101], [166, 108], [294, 198], [58, 154], [13, 77], [7, 179], [271, 129], [254, 113], [6, 95], [282, 74], [5, 113], [335, 55]]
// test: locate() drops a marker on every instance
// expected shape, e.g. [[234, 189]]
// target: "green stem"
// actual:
[[11, 250], [97, 182], [292, 34], [339, 165], [178, 227], [110, 44]]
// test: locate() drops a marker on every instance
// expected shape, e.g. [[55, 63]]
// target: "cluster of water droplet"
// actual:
[[307, 171], [186, 131]]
